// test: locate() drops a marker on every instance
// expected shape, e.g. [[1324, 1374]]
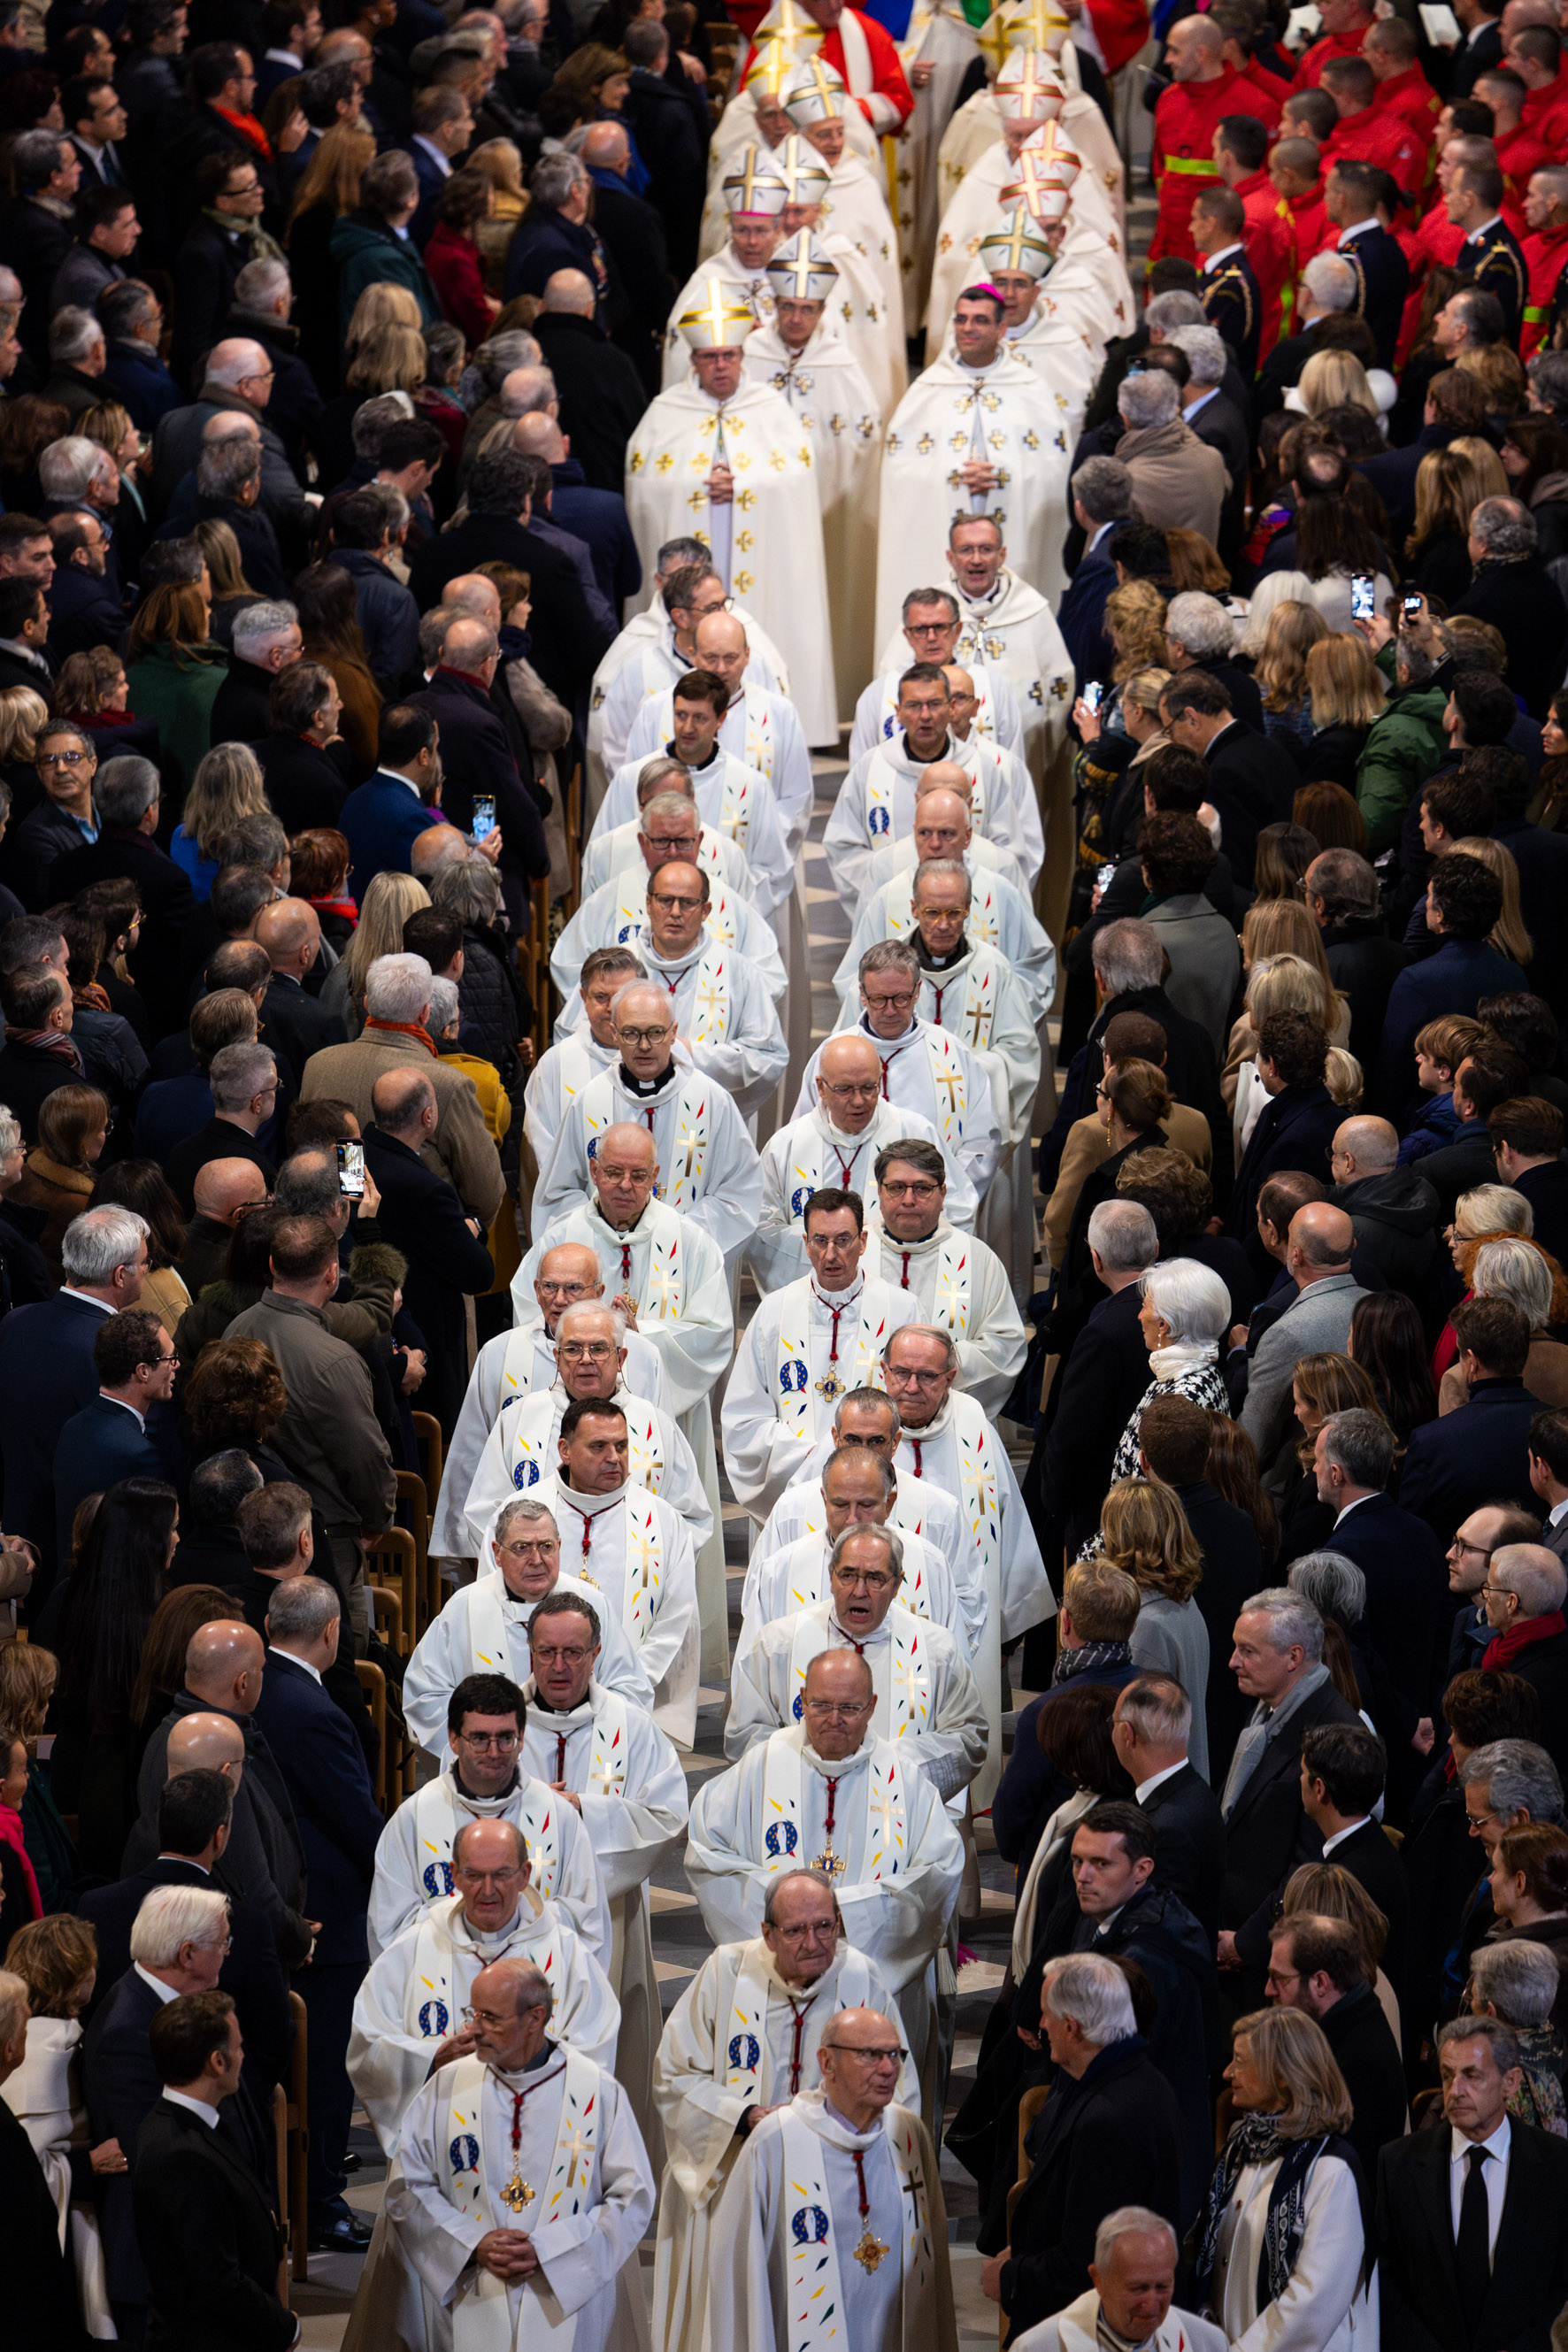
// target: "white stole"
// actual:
[[901, 1673], [784, 1804], [437, 1823], [745, 2061], [815, 2281], [428, 2002], [532, 1421], [975, 1022], [692, 1132], [482, 2313], [951, 1298], [806, 1568], [795, 1398], [948, 1085]]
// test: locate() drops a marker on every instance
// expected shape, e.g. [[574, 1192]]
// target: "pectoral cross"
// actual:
[[517, 2192], [870, 2251], [828, 1863], [830, 1386]]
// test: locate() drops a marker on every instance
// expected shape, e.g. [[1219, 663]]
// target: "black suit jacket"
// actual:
[[252, 1971], [1081, 614], [474, 742], [422, 1216], [210, 2240], [1233, 302], [1296, 1131], [1407, 1592], [47, 1374], [158, 961], [265, 1857], [1102, 1379], [1252, 783], [567, 641], [305, 785], [1233, 1572], [1368, 2057], [1189, 1835], [219, 1139], [299, 1025], [40, 2281], [601, 391], [1546, 1190], [1267, 1834], [121, 2086], [1418, 2272], [1384, 281], [1478, 1454], [323, 1766]]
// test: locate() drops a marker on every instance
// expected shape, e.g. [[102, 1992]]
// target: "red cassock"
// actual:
[[1185, 120], [1121, 27], [1384, 140], [868, 67], [1545, 257], [1309, 72], [1270, 243]]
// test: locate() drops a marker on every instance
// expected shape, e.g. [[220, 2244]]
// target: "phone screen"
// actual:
[[350, 1171], [1413, 608], [484, 815], [1093, 696], [1363, 595], [1102, 879]]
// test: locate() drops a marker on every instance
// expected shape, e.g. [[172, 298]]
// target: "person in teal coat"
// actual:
[[371, 244]]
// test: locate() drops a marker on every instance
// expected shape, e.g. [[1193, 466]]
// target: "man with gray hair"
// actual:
[[1177, 482], [1132, 2296], [266, 639], [238, 382], [1509, 591], [555, 233], [228, 489], [244, 1082], [1523, 1600], [76, 350], [1088, 1409], [1277, 1660], [1396, 1553], [1199, 636], [1209, 412], [397, 1004], [1101, 491]]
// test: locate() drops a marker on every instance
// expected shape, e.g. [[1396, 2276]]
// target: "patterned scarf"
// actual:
[[55, 1042], [405, 1029], [1093, 1656], [1257, 2139]]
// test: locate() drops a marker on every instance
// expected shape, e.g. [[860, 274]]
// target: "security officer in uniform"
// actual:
[[1230, 292], [1490, 255]]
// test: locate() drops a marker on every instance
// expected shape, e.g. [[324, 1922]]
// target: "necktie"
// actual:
[[1472, 2248]]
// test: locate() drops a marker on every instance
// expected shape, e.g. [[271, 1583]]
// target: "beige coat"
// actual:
[[1086, 1149], [330, 1435], [460, 1150], [1178, 482], [1545, 1377]]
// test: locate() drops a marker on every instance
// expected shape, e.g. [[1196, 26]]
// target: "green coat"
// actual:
[[178, 691], [1404, 748], [369, 254]]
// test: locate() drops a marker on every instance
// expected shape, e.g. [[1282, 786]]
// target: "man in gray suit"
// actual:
[[1549, 1477], [1318, 1253], [1206, 955]]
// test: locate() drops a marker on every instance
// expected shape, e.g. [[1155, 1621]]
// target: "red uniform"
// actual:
[[1411, 95], [1545, 115], [1309, 72], [1274, 87], [1521, 153], [1434, 246], [1545, 257], [1121, 27], [1385, 140], [872, 72], [1185, 120], [1271, 249]]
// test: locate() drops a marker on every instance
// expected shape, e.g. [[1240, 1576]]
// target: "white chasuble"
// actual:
[[740, 2036], [727, 264], [961, 1287], [951, 413], [615, 916], [999, 916], [727, 1015], [810, 1152], [876, 806], [920, 1508], [414, 1856], [927, 1704], [933, 1071], [520, 1450], [803, 1350], [645, 658], [855, 210], [412, 1998], [708, 1167], [780, 1584], [939, 36], [777, 563], [1015, 631], [1092, 226], [997, 716], [759, 729], [739, 802], [1076, 2329], [785, 2274], [561, 1072], [613, 853], [895, 1855], [482, 1629], [976, 999], [457, 2176]]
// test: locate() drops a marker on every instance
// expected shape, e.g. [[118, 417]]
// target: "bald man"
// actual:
[[421, 1215], [601, 394], [598, 518], [297, 1025], [1318, 1250], [759, 728], [225, 1191], [479, 753], [1395, 1211], [210, 1728]]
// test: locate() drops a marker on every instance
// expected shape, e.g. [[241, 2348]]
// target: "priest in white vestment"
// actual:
[[655, 647], [948, 1439], [976, 433], [959, 1282], [628, 1544], [805, 1347], [854, 206], [616, 914], [611, 1767], [754, 195], [977, 125], [930, 631], [619, 850], [869, 1422], [709, 953], [836, 2204], [483, 1627], [1009, 625], [828, 1793], [759, 728], [705, 1163], [753, 117], [804, 354], [737, 799], [1130, 2299], [1005, 778], [1058, 334], [566, 1066], [935, 836], [875, 802], [835, 1142], [411, 2003], [516, 2199], [876, 341], [858, 1489], [525, 1359], [727, 458], [1000, 915], [936, 52], [739, 2043], [924, 1067], [590, 1351], [926, 1700], [486, 1779]]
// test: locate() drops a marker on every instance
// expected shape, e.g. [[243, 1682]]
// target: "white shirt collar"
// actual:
[[138, 1418], [1339, 1836], [282, 57], [1099, 535], [197, 2106], [1554, 1515], [1212, 260], [1201, 402], [1352, 1506], [443, 163], [1497, 2146], [67, 1291], [303, 1664], [1355, 229], [1493, 223], [1156, 1779], [165, 1993], [392, 777]]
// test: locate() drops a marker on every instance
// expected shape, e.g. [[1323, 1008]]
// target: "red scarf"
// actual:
[[343, 907], [407, 1029], [248, 129], [1503, 1648], [11, 1833]]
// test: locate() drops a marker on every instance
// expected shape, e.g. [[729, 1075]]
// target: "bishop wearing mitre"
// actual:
[[977, 433], [835, 2208], [1019, 254], [936, 52], [856, 203], [740, 2042], [516, 2200], [726, 459], [859, 294], [754, 195]]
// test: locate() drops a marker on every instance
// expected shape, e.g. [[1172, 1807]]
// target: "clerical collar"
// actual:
[[545, 2056], [978, 604], [491, 1945], [644, 1089], [936, 1426], [667, 964], [975, 371], [840, 1135], [937, 1235], [469, 1796], [836, 1301], [930, 960], [626, 1234], [834, 1768], [914, 760], [591, 1504], [885, 1046], [856, 1641], [538, 1702], [1107, 2339], [699, 768]]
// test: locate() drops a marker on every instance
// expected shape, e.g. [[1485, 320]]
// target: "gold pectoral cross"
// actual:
[[830, 1386], [870, 2251], [517, 2192], [827, 1861]]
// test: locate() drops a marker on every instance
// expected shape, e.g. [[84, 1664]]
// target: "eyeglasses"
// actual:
[[488, 1877], [61, 759], [486, 1743], [646, 1037], [574, 1350], [874, 1580], [685, 844], [619, 1175], [832, 1709], [899, 1001], [540, 1547], [905, 1379], [673, 906], [573, 1656], [562, 1289], [486, 2017], [922, 1190], [1476, 1823], [1481, 1551], [807, 1931], [156, 1363], [928, 629], [884, 2054], [856, 1090]]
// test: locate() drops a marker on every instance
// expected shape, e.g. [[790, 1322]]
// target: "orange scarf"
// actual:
[[407, 1029]]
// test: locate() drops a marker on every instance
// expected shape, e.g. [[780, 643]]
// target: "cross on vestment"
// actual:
[[711, 1000], [952, 1081], [577, 2147], [720, 515], [826, 82], [663, 1280], [517, 2192], [1029, 88], [979, 1024]]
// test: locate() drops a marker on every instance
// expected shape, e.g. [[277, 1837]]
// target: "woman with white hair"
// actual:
[[1185, 1313], [1286, 2254], [1509, 1266]]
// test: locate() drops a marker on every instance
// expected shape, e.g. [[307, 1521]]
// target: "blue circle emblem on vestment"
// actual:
[[745, 2051], [526, 1472], [793, 1375], [465, 2152], [437, 1880], [783, 1837], [809, 2226], [433, 2017]]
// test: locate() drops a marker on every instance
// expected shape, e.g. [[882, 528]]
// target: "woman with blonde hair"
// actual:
[[1345, 1080], [1283, 2253], [1135, 624], [62, 1167], [388, 356], [1322, 1384], [1335, 378], [111, 425], [1449, 486], [57, 1959], [1500, 377], [329, 189], [232, 593], [389, 900], [227, 786], [1280, 983], [1143, 1531], [23, 711], [1277, 927], [1345, 688], [1294, 628], [1508, 934]]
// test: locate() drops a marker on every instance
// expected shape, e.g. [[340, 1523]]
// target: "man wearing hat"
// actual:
[[855, 205], [858, 52], [725, 460], [803, 354], [755, 194], [875, 338]]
